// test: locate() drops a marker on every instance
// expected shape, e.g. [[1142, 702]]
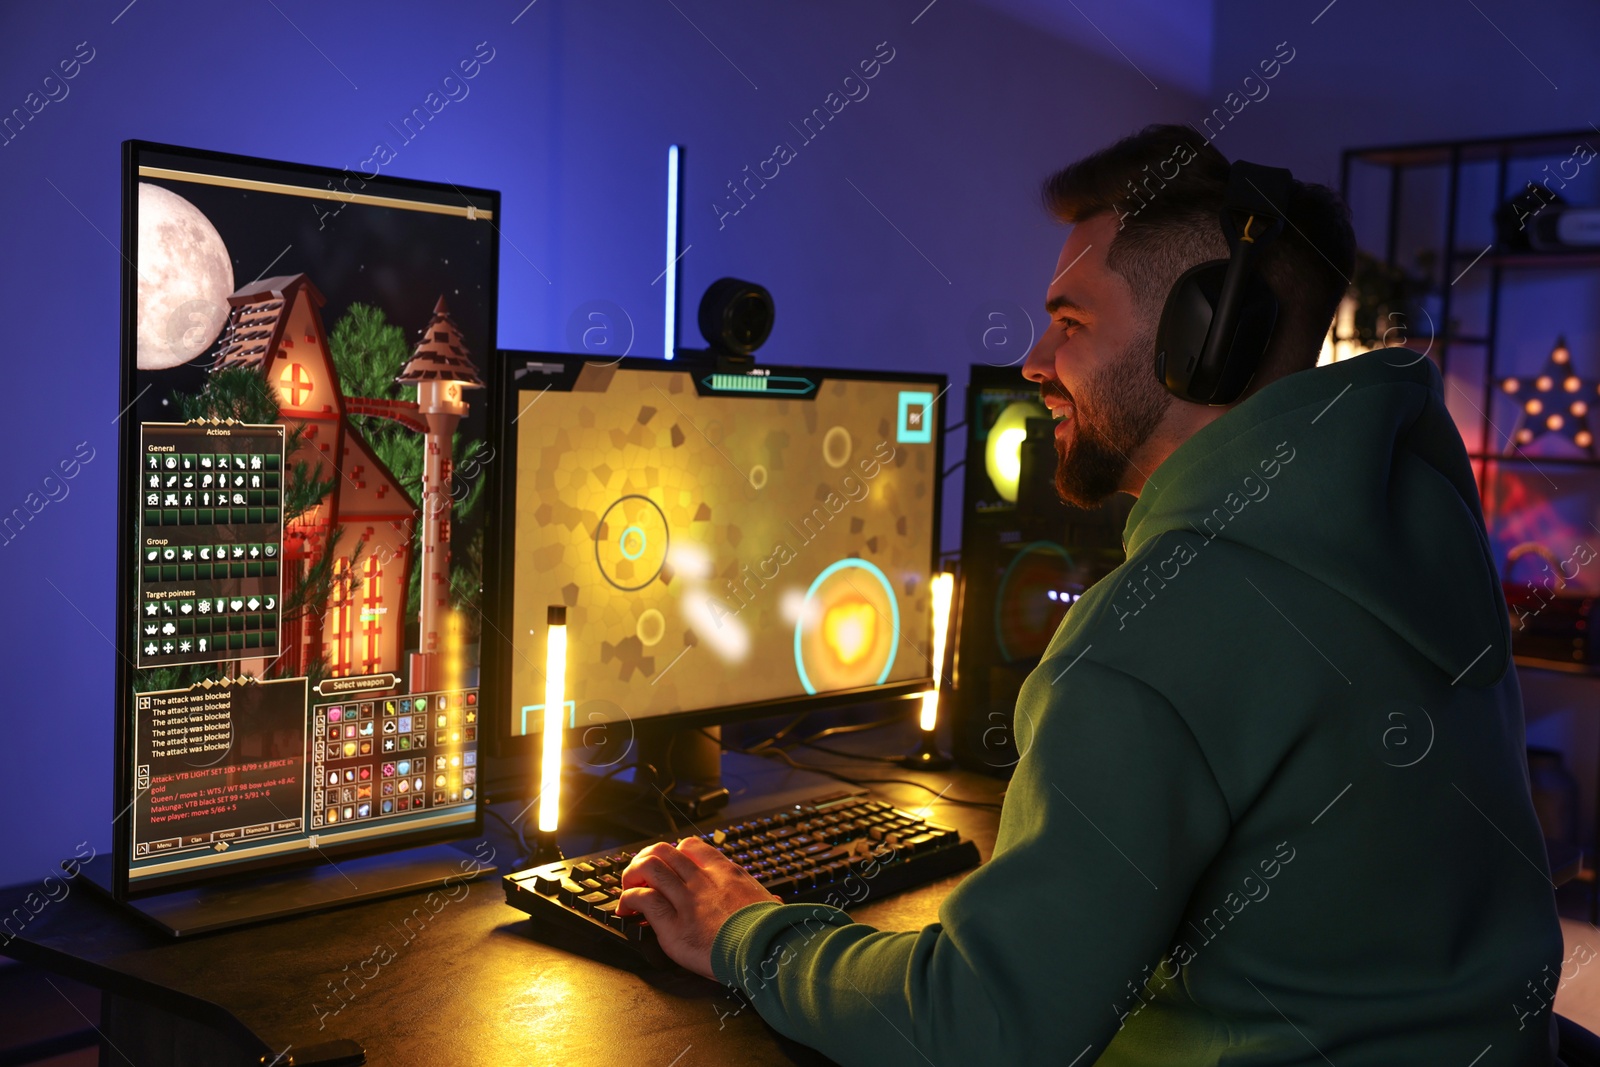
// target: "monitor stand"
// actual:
[[279, 894], [687, 783]]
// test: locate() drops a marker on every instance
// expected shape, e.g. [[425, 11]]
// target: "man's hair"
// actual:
[[1168, 185]]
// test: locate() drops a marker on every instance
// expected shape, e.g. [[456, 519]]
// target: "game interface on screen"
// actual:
[[715, 548], [308, 390]]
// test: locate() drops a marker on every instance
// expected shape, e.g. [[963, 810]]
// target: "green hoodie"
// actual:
[[1273, 805]]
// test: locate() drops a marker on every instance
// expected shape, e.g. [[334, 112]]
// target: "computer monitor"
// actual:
[[727, 544], [304, 362]]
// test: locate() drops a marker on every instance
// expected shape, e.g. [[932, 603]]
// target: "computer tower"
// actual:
[[1025, 559]]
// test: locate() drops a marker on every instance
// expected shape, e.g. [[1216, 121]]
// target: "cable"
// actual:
[[666, 761], [938, 796], [519, 827], [661, 806], [775, 738], [724, 745], [848, 755], [853, 728], [503, 820], [515, 828], [863, 781], [778, 753], [577, 801]]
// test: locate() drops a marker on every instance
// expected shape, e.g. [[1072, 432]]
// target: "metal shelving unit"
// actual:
[[1502, 152]]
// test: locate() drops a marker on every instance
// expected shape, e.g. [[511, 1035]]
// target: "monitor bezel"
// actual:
[[122, 885], [520, 749]]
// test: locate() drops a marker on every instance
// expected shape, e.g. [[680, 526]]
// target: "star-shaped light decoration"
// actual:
[[1556, 400]]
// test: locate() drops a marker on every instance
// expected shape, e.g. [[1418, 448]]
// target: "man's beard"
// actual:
[[1114, 414]]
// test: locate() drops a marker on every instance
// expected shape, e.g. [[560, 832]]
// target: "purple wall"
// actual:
[[570, 119], [1372, 73]]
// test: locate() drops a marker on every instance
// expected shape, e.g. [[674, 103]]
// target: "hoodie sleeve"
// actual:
[[1111, 818]]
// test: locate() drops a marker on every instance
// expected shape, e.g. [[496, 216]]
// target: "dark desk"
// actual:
[[468, 983]]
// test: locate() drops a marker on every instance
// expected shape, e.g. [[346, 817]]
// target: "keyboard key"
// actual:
[[631, 927]]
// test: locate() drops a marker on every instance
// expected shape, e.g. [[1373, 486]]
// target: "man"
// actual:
[[1273, 804]]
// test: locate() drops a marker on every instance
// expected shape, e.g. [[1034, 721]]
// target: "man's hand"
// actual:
[[686, 893]]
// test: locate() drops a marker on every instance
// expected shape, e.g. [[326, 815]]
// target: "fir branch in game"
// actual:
[[468, 491], [160, 679], [466, 586], [236, 393], [368, 352], [312, 592], [304, 490], [466, 564]]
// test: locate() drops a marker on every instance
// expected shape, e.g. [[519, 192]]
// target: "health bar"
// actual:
[[759, 383]]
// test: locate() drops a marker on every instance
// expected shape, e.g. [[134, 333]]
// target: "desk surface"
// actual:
[[472, 982]]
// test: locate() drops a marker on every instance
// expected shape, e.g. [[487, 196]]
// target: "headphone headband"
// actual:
[[1259, 193]]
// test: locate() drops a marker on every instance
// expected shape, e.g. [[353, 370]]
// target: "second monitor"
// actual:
[[725, 545]]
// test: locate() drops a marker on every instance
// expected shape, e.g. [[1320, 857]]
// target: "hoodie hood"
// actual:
[[1355, 474]]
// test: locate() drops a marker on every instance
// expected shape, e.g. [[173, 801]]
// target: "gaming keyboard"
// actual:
[[839, 849]]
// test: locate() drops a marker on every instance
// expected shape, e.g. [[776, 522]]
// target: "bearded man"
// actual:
[[1272, 806]]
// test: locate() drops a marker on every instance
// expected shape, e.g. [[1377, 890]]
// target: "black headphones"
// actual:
[[1218, 319]]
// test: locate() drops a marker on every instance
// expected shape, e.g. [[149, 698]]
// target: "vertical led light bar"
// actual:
[[555, 704], [943, 587], [927, 756], [674, 185]]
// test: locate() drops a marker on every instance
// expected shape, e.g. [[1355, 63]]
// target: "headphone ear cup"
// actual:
[[1187, 320], [1253, 323], [1185, 323]]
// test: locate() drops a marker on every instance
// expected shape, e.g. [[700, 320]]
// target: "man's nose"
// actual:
[[1039, 364]]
